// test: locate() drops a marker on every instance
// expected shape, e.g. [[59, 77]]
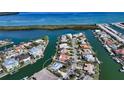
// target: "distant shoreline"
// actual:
[[49, 27], [8, 13]]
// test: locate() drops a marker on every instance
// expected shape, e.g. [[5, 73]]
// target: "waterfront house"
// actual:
[[39, 41], [20, 49], [86, 51], [69, 36], [75, 35], [63, 45], [64, 51], [104, 35], [37, 52], [10, 53], [63, 38], [24, 59], [78, 35], [56, 66], [113, 46], [89, 58], [82, 41], [119, 51], [63, 58], [81, 34], [85, 46], [89, 68], [10, 64], [27, 44], [109, 42]]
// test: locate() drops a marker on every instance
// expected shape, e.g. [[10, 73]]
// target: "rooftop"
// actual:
[[89, 68], [9, 62], [63, 58], [44, 75]]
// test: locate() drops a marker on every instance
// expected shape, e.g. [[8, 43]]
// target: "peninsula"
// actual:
[[74, 60], [49, 27], [21, 55]]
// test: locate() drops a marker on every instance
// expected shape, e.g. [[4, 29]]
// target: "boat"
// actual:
[[121, 70], [25, 78], [116, 59], [122, 67], [108, 49], [98, 60]]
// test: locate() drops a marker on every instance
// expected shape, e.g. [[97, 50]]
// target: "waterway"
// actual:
[[109, 69]]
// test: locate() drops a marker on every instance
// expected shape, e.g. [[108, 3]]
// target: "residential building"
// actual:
[[10, 64]]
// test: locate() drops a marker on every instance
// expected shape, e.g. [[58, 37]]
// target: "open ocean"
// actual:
[[61, 18]]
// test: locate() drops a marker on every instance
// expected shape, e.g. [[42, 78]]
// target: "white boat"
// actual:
[[121, 70], [98, 60], [122, 67], [116, 59], [108, 49], [25, 78]]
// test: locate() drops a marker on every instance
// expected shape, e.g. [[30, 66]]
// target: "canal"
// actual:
[[109, 69]]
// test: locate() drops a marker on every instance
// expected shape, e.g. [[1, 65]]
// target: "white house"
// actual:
[[89, 58], [56, 66], [37, 51], [10, 64], [69, 35], [39, 40], [63, 38], [64, 45]]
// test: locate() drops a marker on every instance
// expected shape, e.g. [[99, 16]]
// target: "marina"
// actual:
[[120, 25], [113, 42]]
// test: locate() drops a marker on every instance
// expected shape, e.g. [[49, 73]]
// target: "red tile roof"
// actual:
[[63, 57], [119, 51]]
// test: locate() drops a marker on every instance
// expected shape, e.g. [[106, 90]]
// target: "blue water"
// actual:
[[42, 18]]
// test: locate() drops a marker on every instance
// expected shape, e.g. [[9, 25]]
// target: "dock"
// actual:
[[118, 25], [112, 42], [110, 31]]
